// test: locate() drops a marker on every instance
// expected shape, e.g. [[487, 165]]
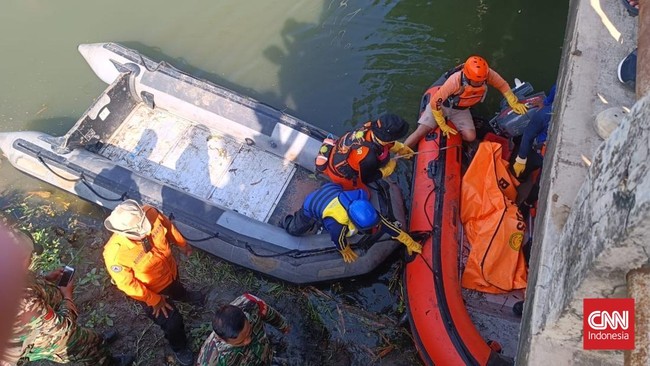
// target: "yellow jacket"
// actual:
[[139, 273]]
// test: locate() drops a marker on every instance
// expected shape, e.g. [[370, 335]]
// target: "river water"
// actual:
[[334, 64]]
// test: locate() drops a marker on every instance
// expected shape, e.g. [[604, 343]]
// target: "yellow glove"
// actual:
[[411, 245], [402, 150], [388, 169], [348, 254], [519, 166], [519, 108], [440, 120]]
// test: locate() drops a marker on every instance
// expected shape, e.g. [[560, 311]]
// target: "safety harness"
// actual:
[[468, 95], [335, 154]]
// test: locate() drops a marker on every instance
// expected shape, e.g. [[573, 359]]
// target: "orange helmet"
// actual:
[[476, 69]]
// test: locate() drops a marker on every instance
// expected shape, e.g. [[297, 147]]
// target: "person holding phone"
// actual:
[[138, 257], [45, 326]]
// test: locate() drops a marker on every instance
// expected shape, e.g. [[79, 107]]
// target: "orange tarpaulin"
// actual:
[[492, 223]]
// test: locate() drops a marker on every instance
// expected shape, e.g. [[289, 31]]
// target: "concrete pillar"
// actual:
[[638, 288], [643, 53]]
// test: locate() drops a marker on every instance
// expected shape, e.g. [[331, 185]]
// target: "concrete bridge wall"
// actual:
[[594, 213]]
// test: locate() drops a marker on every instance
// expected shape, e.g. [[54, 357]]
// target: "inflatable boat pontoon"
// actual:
[[224, 167]]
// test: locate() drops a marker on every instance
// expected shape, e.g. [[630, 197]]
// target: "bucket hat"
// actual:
[[128, 219]]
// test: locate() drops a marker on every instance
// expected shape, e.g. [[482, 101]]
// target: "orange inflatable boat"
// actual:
[[443, 330]]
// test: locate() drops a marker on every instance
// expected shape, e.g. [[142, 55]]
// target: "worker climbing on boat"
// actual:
[[464, 87], [362, 156], [343, 213], [533, 142]]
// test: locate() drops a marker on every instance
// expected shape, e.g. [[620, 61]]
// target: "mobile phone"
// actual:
[[68, 272]]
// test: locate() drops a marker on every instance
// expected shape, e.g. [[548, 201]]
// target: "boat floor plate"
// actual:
[[201, 162]]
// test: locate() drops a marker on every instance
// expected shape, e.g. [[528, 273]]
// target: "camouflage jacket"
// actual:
[[216, 352], [44, 322]]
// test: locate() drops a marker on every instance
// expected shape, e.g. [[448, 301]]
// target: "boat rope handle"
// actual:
[[215, 235], [426, 213], [426, 151], [82, 179], [85, 182], [144, 63], [55, 173], [293, 253], [287, 253]]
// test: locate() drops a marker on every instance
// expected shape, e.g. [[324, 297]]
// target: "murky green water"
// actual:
[[334, 64]]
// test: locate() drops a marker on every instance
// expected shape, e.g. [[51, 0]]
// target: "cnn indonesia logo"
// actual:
[[608, 324]]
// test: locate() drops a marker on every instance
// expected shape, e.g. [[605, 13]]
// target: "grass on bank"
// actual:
[[326, 327]]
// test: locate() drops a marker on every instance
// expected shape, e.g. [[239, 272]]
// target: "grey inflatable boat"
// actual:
[[226, 168]]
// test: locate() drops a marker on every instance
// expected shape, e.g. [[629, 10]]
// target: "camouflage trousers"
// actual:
[[84, 346]]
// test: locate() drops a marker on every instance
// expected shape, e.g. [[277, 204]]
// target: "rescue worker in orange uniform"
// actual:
[[362, 156], [465, 87], [138, 257]]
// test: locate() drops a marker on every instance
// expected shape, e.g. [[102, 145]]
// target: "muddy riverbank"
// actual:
[[350, 322]]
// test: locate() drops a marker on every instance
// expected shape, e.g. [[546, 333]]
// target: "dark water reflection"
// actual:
[[332, 63]]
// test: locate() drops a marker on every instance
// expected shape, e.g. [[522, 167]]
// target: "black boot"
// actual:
[[286, 221], [122, 360], [195, 297], [185, 357], [110, 336]]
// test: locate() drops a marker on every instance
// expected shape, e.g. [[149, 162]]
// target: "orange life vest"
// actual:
[[468, 95], [337, 153]]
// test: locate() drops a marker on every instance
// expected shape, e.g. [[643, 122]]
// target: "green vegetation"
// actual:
[[99, 316], [328, 327]]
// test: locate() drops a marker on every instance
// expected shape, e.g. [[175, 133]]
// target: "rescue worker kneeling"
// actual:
[[362, 156], [343, 214]]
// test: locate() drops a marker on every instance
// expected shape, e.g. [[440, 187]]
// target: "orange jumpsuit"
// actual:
[[455, 97], [139, 273], [468, 95]]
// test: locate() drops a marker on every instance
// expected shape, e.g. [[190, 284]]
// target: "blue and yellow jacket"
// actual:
[[328, 205]]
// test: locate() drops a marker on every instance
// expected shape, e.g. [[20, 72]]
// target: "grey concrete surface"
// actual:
[[605, 237], [643, 55], [582, 246]]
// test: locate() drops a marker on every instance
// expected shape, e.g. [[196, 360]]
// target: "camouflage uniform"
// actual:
[[216, 352], [46, 329]]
